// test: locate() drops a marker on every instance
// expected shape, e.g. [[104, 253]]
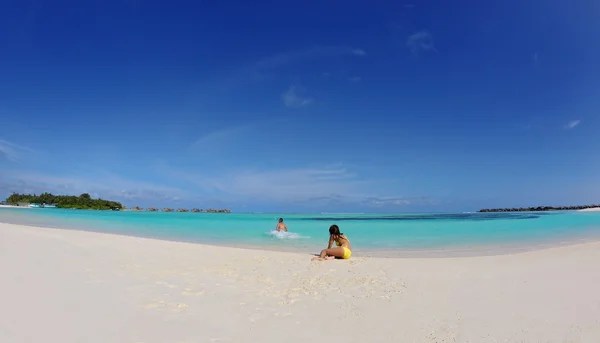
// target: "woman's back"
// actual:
[[342, 241]]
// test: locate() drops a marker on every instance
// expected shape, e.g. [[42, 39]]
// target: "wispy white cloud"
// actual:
[[230, 187], [264, 68], [312, 185], [224, 145], [387, 201], [220, 139], [13, 152], [221, 177], [284, 59], [290, 184], [359, 52], [572, 124], [293, 98], [420, 41], [211, 184], [341, 75], [397, 201], [371, 201]]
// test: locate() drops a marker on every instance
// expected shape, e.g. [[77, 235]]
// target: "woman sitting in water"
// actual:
[[342, 251]]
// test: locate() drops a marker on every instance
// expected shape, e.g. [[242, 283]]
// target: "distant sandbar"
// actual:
[[591, 209]]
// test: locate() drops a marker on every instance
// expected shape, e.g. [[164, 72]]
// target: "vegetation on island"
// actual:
[[539, 208], [82, 202]]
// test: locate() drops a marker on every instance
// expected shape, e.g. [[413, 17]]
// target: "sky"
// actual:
[[302, 106]]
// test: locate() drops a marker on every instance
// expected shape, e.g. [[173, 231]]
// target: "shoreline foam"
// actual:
[[11, 206], [77, 286]]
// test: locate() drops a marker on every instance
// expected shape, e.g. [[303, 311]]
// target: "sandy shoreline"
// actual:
[[592, 209], [74, 286], [469, 250]]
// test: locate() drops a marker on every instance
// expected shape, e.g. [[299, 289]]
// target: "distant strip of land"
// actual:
[[586, 208], [591, 209], [168, 209], [81, 202], [85, 202]]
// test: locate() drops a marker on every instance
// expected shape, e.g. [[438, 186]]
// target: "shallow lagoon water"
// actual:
[[370, 234]]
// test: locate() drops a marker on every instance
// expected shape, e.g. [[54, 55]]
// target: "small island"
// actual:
[[81, 202], [540, 208]]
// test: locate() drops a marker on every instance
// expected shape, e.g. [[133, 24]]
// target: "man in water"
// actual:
[[281, 226]]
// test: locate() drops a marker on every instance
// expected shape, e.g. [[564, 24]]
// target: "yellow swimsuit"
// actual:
[[347, 252]]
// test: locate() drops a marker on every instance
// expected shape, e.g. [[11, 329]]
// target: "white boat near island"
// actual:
[[41, 206]]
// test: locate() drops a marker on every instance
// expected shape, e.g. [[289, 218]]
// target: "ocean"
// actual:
[[417, 234]]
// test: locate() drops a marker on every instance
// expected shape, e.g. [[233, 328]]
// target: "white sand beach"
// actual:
[[70, 286], [591, 209]]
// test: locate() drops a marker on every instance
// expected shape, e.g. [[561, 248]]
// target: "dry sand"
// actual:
[[69, 286], [591, 209]]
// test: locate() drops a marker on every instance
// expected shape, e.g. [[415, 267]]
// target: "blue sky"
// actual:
[[302, 106]]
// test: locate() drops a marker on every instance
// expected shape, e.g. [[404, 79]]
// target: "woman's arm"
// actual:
[[330, 242]]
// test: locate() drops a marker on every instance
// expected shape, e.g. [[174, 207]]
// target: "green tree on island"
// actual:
[[83, 202]]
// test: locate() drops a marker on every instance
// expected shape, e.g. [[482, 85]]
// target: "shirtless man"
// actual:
[[281, 226]]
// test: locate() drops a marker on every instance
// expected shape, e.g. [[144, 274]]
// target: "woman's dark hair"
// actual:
[[335, 230], [280, 220]]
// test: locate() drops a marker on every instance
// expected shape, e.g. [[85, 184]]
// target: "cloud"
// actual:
[[317, 186], [370, 201], [420, 41], [263, 68], [301, 186], [11, 151], [292, 98], [341, 75], [220, 139], [387, 201], [103, 185], [274, 184], [397, 201], [229, 145], [285, 59], [572, 124], [291, 184]]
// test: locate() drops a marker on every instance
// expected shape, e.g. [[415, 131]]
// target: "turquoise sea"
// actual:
[[370, 234]]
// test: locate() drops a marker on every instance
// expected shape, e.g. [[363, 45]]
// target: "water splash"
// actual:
[[284, 235]]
